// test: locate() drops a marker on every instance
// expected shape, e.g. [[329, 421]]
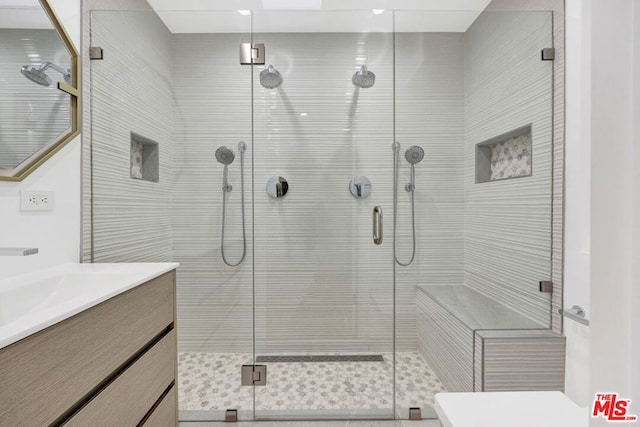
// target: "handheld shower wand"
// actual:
[[225, 180], [225, 156], [414, 155]]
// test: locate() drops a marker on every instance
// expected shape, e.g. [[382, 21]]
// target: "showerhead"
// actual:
[[225, 155], [270, 78], [414, 154], [363, 78], [37, 73]]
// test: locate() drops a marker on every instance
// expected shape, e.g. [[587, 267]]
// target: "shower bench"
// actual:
[[474, 343]]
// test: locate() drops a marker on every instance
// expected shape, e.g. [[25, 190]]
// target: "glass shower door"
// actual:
[[323, 290], [181, 97]]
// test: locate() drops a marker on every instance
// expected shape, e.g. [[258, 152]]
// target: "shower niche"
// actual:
[[505, 156], [145, 158]]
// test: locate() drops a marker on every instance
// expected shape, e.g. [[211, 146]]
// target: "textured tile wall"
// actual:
[[88, 8], [321, 284], [508, 223], [524, 360], [130, 92], [30, 114], [430, 113], [557, 8], [212, 109], [446, 344]]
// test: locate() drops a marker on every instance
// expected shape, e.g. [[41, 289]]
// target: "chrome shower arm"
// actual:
[[66, 73]]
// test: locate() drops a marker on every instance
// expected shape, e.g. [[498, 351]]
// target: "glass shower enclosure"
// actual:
[[323, 287], [310, 171]]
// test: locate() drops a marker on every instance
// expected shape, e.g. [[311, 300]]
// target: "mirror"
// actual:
[[38, 88], [277, 186]]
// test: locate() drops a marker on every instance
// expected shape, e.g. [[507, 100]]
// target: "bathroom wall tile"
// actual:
[[508, 223], [557, 8], [325, 281], [131, 92], [321, 285]]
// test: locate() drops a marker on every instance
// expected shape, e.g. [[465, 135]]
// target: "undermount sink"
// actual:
[[34, 301]]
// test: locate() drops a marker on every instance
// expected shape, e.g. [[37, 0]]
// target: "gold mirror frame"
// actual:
[[32, 163]]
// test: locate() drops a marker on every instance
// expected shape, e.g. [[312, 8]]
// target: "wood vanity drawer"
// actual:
[[48, 375], [126, 400], [164, 415]]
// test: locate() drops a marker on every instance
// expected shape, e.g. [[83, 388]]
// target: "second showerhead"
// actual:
[[363, 78], [270, 78]]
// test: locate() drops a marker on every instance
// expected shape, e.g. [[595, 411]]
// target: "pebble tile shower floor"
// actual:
[[211, 382]]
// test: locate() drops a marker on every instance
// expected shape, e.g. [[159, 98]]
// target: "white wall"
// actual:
[[577, 195], [56, 233], [615, 225], [635, 297]]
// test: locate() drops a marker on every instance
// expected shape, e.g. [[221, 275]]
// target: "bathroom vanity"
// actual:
[[95, 345]]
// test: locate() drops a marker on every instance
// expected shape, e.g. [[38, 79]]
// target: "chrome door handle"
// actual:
[[377, 225]]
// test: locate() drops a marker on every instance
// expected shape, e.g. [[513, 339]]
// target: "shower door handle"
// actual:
[[377, 225]]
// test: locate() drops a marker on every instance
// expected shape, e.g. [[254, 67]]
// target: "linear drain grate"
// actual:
[[321, 358]]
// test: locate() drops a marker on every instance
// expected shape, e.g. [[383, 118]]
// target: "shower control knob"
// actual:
[[277, 187], [360, 187]]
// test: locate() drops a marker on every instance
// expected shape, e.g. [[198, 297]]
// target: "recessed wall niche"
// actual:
[[145, 158], [505, 156]]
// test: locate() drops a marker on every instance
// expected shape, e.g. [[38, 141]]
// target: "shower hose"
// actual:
[[396, 167], [224, 210]]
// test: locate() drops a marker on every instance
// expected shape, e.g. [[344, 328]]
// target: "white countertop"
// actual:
[[32, 302], [508, 409]]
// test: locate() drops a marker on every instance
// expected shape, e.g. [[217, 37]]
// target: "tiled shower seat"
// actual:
[[474, 343]]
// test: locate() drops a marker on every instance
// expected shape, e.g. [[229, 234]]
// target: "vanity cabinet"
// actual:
[[113, 364]]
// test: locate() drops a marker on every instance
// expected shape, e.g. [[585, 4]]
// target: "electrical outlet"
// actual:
[[34, 200]]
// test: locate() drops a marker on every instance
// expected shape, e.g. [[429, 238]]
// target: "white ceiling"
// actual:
[[29, 4], [23, 14], [222, 16]]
